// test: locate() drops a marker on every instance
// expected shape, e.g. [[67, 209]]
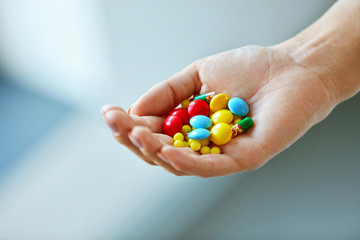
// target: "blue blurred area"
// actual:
[[25, 117]]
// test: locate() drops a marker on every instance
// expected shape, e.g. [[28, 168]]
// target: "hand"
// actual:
[[285, 100]]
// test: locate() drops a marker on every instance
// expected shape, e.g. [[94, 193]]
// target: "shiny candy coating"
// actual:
[[220, 101], [204, 142], [185, 103], [182, 113], [206, 97], [200, 121], [178, 136], [178, 143], [186, 129], [172, 125], [198, 107], [238, 106], [205, 150], [221, 134], [195, 145], [242, 126], [199, 134], [215, 150], [222, 116]]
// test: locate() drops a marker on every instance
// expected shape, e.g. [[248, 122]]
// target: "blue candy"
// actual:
[[200, 121], [238, 106], [199, 134]]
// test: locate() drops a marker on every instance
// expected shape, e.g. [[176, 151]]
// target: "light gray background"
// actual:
[[75, 182]]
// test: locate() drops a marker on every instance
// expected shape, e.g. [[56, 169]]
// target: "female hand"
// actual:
[[285, 100], [289, 88]]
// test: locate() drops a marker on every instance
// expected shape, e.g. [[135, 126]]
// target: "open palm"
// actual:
[[284, 97]]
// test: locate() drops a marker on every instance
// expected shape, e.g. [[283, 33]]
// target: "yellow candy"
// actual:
[[178, 136], [221, 134], [205, 150], [220, 101], [237, 120], [204, 142], [190, 141], [195, 145], [185, 144], [186, 129], [178, 143], [222, 116], [215, 150], [185, 103], [231, 125]]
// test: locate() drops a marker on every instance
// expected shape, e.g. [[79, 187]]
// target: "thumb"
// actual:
[[166, 95]]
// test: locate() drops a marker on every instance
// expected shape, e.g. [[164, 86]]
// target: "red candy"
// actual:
[[198, 107], [172, 125], [182, 113]]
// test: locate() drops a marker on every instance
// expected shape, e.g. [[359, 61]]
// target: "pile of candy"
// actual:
[[214, 120]]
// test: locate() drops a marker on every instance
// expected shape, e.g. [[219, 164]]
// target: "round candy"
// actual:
[[198, 107], [200, 121], [185, 103], [220, 101], [195, 145], [221, 134], [199, 134], [179, 136], [178, 143], [172, 125], [182, 113], [238, 106], [215, 150], [222, 116], [186, 129], [205, 150], [204, 142]]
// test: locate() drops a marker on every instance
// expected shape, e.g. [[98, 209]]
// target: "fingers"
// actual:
[[150, 145], [121, 124], [166, 95], [139, 139], [208, 165]]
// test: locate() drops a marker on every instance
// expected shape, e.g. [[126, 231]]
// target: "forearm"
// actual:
[[331, 48]]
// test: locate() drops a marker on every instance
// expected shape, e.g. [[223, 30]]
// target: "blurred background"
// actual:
[[62, 176]]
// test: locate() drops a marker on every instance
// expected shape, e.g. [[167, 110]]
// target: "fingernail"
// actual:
[[105, 108], [163, 158], [135, 142], [110, 121], [128, 111]]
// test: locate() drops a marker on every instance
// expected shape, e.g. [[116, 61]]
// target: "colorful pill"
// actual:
[[195, 145], [186, 129], [238, 106], [198, 107], [178, 143], [185, 103], [222, 116], [215, 150], [172, 125], [205, 97], [204, 142], [199, 134], [200, 121], [178, 136], [181, 113], [221, 134], [205, 150], [242, 126], [220, 101]]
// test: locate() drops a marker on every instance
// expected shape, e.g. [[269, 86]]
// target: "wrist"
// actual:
[[331, 49]]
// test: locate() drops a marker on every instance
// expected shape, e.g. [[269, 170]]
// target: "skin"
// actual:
[[289, 88]]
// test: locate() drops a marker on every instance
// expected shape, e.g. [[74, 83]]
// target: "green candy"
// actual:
[[246, 123]]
